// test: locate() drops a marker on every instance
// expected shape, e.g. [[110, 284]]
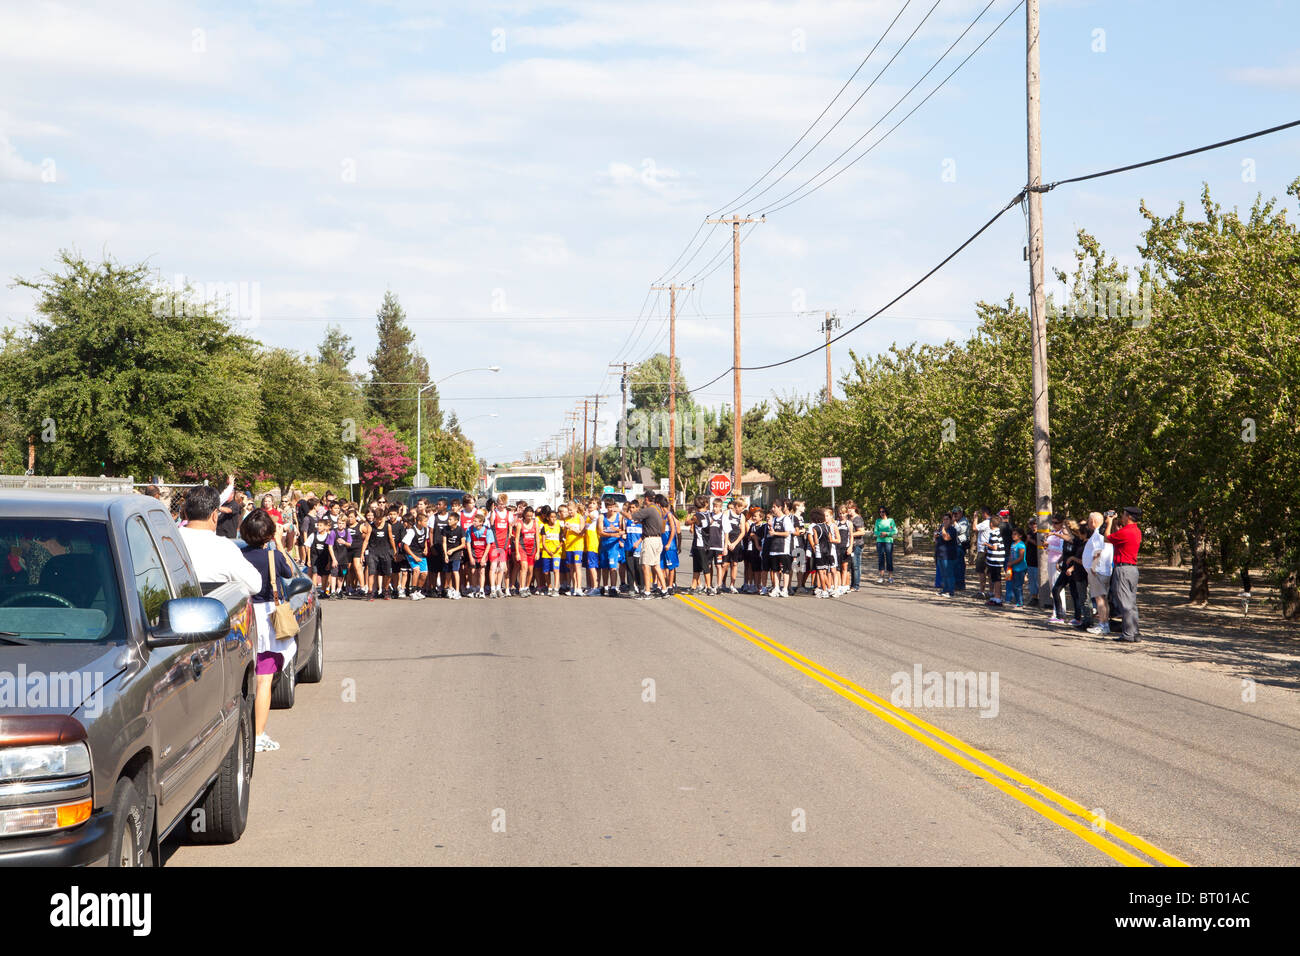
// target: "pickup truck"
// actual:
[[126, 694]]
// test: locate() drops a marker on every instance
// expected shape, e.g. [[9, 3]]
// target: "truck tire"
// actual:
[[286, 683], [314, 669], [224, 808], [129, 845]]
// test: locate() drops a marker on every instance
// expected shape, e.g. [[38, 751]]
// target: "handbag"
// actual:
[[282, 618]]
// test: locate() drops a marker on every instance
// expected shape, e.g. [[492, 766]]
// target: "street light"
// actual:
[[419, 406]]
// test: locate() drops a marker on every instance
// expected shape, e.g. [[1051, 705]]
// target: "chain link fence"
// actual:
[[102, 484]]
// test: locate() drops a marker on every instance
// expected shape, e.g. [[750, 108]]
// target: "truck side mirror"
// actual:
[[189, 621]]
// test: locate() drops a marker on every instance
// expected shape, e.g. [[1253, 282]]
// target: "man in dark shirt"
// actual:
[[652, 529]]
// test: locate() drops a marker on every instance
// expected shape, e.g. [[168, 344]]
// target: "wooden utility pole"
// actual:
[[595, 423], [586, 407], [572, 420], [1037, 294], [737, 427], [622, 444], [672, 387], [830, 322]]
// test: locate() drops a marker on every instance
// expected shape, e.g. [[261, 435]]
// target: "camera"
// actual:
[[1110, 514]]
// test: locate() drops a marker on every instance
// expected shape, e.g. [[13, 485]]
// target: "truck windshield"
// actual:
[[57, 581], [518, 483]]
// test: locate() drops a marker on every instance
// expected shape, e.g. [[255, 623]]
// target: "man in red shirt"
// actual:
[[1127, 538]]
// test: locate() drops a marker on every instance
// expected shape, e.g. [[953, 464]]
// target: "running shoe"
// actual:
[[264, 743]]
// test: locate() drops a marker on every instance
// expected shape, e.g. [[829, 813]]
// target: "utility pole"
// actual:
[[595, 423], [1037, 296], [585, 407], [736, 223], [571, 419], [622, 444], [672, 386], [830, 322]]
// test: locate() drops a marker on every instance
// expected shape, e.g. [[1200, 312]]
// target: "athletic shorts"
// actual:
[[341, 570], [700, 557], [593, 560], [528, 558], [980, 563], [669, 560], [575, 559], [610, 558], [379, 563], [736, 555], [824, 563], [547, 565], [781, 563], [715, 555], [435, 562], [418, 564], [322, 564], [497, 555]]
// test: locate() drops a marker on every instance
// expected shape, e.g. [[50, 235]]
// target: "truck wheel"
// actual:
[[314, 669], [222, 814], [130, 843], [286, 683]]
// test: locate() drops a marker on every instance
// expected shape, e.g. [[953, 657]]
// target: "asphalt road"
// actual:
[[613, 731]]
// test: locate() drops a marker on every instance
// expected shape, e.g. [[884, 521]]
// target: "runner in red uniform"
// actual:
[[525, 549], [499, 521]]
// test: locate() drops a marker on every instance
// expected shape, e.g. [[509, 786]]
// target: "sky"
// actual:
[[519, 174]]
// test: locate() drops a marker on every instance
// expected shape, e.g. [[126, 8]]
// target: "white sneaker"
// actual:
[[265, 743]]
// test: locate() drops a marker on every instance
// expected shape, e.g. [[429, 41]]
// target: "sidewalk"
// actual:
[[1259, 645]]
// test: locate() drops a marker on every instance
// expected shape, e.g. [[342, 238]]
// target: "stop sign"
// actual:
[[720, 485]]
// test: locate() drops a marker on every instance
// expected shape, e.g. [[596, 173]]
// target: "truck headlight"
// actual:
[[47, 760]]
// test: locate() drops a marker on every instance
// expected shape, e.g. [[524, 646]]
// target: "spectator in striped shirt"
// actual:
[[995, 559]]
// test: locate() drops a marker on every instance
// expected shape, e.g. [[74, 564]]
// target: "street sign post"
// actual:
[[720, 485], [832, 477]]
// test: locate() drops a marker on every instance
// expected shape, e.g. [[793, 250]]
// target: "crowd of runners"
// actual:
[[587, 547]]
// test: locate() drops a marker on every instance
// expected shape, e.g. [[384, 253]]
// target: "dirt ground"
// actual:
[[1255, 643]]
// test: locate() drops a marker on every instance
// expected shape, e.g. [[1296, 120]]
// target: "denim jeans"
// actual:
[[948, 573], [1031, 581], [1016, 588], [960, 567], [857, 566], [885, 556]]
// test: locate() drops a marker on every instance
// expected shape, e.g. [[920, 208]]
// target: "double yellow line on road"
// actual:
[[1039, 797]]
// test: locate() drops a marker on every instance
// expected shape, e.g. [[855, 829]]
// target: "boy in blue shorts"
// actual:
[[631, 551], [610, 529]]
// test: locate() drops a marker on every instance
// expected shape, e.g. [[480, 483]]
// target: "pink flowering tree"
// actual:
[[383, 459]]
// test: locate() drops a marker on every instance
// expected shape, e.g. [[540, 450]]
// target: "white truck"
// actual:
[[538, 484]]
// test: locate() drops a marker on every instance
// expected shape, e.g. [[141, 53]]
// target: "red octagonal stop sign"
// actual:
[[720, 485]]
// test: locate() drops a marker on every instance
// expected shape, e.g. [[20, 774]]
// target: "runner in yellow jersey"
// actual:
[[551, 549], [575, 548], [593, 548]]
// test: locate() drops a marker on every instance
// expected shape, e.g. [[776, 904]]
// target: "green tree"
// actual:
[[124, 381], [397, 360]]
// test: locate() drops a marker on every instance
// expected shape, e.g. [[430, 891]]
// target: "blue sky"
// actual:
[[519, 173]]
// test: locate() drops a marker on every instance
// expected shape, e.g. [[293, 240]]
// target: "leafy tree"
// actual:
[[300, 437], [383, 459], [126, 382], [336, 349], [396, 360]]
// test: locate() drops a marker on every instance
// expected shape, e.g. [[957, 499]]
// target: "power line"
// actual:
[[870, 85], [778, 204], [1015, 200], [811, 125], [1164, 159], [853, 328]]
